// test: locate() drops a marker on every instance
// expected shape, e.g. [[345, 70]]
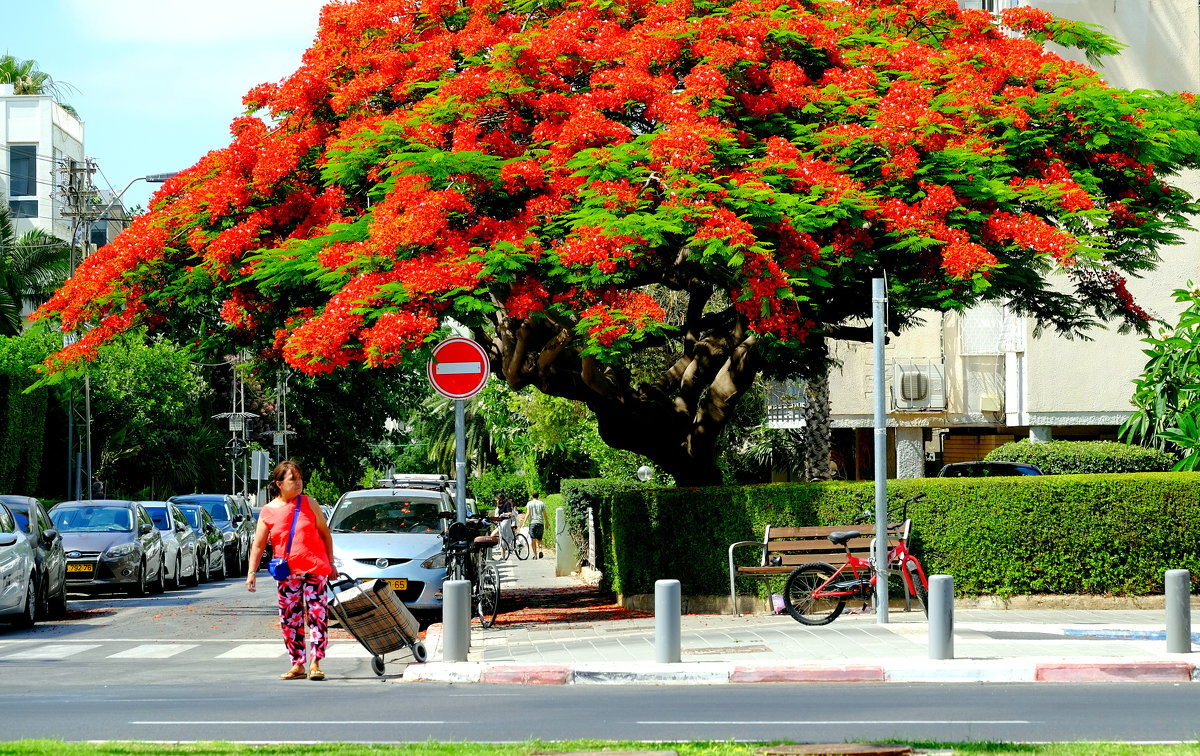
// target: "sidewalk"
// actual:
[[556, 630]]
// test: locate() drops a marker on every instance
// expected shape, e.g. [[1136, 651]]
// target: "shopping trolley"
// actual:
[[372, 612]]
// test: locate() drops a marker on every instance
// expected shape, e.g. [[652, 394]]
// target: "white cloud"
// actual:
[[173, 23]]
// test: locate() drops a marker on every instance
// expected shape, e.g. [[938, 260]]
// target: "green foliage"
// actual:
[[1067, 457], [1063, 534], [22, 411], [1167, 394], [31, 267], [321, 489], [495, 482]]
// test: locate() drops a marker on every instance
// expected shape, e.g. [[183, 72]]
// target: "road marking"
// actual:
[[254, 651], [52, 651], [346, 651], [292, 721], [840, 721], [153, 651]]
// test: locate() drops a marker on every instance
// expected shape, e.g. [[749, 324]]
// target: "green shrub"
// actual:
[[1078, 457], [324, 491], [493, 483], [1066, 534]]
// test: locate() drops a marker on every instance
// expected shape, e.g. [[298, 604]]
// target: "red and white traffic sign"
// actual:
[[459, 368]]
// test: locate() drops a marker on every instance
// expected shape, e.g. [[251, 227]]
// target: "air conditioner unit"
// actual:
[[918, 385]]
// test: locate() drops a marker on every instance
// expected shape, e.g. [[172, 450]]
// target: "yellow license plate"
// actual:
[[80, 567], [396, 584]]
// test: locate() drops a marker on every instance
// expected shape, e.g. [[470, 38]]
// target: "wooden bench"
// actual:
[[784, 549]]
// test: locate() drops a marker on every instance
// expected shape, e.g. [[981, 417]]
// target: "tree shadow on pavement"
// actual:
[[583, 603]]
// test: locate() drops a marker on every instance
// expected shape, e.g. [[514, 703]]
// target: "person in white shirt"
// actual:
[[535, 518]]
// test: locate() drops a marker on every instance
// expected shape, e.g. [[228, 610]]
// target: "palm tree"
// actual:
[[32, 266], [28, 79]]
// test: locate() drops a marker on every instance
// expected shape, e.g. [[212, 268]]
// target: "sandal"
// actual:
[[316, 674], [293, 674]]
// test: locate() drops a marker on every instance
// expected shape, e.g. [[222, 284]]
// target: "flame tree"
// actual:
[[712, 183]]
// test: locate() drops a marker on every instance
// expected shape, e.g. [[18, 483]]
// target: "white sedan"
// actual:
[[18, 581]]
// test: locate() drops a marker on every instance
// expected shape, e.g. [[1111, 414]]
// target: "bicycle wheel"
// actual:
[[918, 588], [487, 603], [522, 547], [502, 550], [798, 595]]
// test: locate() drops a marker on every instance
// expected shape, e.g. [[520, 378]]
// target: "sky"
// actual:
[[157, 82]]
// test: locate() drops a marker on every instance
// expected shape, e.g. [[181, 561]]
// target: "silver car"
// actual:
[[18, 579], [394, 534], [179, 543]]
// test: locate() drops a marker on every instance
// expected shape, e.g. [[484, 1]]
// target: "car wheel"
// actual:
[[28, 616], [194, 578], [58, 604], [224, 571], [175, 583], [138, 589], [160, 583], [43, 604]]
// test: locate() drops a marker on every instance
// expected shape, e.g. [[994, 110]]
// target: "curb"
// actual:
[[722, 673]]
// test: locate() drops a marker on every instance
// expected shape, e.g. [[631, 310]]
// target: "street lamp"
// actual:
[[150, 178]]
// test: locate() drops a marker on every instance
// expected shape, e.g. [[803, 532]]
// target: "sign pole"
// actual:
[[878, 316], [460, 460]]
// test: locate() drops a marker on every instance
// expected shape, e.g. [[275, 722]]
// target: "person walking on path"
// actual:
[[302, 595], [535, 518]]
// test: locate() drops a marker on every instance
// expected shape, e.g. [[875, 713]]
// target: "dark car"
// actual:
[[110, 543], [232, 515], [210, 542], [987, 469], [179, 543], [47, 551]]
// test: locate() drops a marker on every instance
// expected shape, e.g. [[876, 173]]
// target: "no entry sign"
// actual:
[[459, 368]]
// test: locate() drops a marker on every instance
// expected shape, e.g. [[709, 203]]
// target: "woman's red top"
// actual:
[[308, 554]]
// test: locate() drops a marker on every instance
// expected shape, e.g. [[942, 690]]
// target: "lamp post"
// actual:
[[150, 178]]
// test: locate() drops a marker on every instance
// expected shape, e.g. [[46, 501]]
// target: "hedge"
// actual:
[[1066, 457], [1063, 534]]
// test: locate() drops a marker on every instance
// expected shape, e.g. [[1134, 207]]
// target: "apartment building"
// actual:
[[965, 383], [39, 142]]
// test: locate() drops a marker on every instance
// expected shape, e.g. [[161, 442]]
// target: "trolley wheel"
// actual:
[[419, 653], [377, 665]]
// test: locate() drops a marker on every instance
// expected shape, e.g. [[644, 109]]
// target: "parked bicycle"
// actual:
[[466, 548], [816, 593]]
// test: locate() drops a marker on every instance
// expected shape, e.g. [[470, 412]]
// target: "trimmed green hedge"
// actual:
[[1067, 457], [1064, 534]]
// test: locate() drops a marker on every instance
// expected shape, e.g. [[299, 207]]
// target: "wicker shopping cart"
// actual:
[[372, 612]]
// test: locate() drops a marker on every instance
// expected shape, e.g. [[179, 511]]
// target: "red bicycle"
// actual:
[[816, 593]]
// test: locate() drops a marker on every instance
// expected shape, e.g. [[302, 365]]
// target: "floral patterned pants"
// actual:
[[304, 597]]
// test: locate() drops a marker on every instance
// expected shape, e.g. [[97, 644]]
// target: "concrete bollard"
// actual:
[[1179, 611], [941, 616], [456, 620], [667, 611]]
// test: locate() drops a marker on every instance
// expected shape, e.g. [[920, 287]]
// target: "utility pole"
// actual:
[[239, 428], [80, 203]]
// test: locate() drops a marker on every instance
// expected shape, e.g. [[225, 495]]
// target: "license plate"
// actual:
[[396, 584], [88, 568]]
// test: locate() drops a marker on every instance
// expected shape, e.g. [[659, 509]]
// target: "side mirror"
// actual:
[[146, 528], [49, 536]]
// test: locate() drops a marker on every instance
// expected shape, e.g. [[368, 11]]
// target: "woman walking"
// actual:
[[302, 594]]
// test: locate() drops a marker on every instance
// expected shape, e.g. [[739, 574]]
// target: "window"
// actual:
[[98, 234], [22, 169], [993, 6], [7, 524]]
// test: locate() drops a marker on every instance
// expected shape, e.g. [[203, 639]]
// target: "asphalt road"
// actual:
[[200, 664]]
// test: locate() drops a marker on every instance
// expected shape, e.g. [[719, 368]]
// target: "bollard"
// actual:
[[456, 620], [941, 616], [1179, 611], [666, 621]]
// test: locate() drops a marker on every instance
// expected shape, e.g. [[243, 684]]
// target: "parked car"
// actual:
[[18, 573], [210, 542], [394, 534], [987, 469], [232, 515], [179, 543], [47, 552], [110, 543]]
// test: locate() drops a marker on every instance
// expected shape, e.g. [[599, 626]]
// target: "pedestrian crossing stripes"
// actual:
[[11, 652]]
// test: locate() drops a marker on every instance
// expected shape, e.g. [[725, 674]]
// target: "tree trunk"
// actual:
[[817, 432]]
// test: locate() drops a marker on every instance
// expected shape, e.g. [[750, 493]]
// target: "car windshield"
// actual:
[[162, 520], [387, 514], [22, 518], [92, 519]]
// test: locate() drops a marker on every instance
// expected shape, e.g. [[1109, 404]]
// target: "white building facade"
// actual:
[[39, 142], [965, 383]]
